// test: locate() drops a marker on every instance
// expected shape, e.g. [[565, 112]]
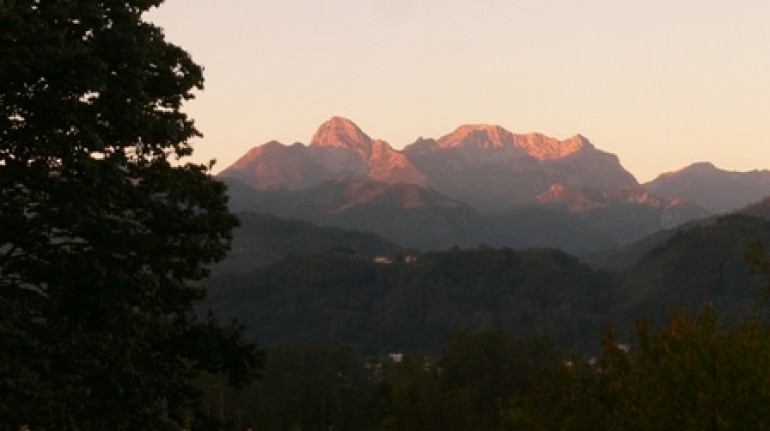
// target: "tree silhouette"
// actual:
[[104, 232]]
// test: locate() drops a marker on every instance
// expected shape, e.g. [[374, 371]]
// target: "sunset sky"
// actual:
[[660, 83]]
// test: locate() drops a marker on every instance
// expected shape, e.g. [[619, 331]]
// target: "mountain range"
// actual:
[[485, 166], [479, 184]]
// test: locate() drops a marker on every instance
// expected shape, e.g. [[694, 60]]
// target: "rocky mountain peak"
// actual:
[[339, 132], [477, 136], [487, 136], [544, 147], [702, 166]]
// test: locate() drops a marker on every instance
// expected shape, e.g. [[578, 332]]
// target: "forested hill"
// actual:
[[262, 239], [411, 301], [708, 262]]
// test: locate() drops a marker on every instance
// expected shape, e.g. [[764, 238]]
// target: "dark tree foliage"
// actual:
[[693, 374], [484, 373], [102, 230]]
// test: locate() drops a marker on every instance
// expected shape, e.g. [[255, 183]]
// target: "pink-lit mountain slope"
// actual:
[[490, 167], [339, 149]]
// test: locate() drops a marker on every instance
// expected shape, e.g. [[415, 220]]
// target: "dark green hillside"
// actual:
[[263, 239], [758, 209], [529, 292], [341, 298], [322, 298], [705, 263], [625, 256]]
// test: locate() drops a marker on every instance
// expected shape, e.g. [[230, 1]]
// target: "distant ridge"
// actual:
[[717, 190]]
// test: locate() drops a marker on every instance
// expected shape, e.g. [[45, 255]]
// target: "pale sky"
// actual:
[[660, 83]]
